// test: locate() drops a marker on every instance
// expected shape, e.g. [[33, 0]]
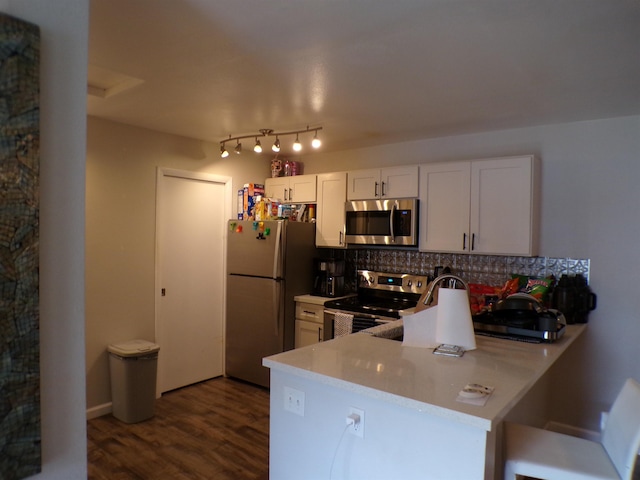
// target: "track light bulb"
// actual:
[[276, 145], [223, 151], [297, 146], [257, 148], [238, 148], [316, 143]]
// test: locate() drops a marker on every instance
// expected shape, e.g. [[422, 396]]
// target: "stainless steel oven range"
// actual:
[[381, 298]]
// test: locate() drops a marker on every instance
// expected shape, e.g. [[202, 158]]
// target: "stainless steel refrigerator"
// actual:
[[268, 263]]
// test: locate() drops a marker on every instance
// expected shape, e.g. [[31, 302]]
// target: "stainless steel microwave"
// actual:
[[382, 222]]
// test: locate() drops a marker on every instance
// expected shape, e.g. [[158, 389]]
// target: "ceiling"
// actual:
[[369, 72]]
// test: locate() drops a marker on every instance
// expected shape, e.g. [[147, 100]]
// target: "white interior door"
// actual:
[[192, 210]]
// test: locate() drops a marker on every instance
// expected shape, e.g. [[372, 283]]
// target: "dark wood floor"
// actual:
[[218, 429]]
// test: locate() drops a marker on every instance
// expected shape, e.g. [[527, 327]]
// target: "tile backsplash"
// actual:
[[486, 269]]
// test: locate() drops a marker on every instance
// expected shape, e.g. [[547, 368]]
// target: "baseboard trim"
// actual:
[[99, 411]]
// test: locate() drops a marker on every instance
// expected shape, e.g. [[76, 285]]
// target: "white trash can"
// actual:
[[133, 366]]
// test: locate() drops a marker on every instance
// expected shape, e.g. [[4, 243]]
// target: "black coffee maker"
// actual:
[[328, 277], [573, 297]]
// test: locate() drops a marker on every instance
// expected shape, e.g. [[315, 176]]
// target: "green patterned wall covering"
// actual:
[[20, 453]]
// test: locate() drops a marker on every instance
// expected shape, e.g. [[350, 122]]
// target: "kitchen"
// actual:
[[589, 202]]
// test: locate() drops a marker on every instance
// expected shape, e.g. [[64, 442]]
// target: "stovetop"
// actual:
[[384, 294]]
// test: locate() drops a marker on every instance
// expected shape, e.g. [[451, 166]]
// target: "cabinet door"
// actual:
[[277, 187], [302, 189], [503, 206], [399, 182], [330, 216], [444, 207], [363, 184], [308, 333]]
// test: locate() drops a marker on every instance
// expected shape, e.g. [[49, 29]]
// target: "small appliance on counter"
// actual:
[[328, 277], [573, 297], [522, 317]]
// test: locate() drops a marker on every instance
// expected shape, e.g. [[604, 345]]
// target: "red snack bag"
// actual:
[[510, 287]]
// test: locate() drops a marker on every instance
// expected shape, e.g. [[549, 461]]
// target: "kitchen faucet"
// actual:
[[452, 280]]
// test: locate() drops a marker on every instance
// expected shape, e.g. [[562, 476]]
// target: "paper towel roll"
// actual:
[[420, 329], [454, 325]]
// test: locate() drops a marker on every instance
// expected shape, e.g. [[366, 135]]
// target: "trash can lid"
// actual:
[[133, 348]]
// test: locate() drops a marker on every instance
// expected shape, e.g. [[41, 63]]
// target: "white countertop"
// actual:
[[416, 378]]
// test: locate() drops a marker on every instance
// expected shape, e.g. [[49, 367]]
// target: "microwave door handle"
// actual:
[[391, 217]]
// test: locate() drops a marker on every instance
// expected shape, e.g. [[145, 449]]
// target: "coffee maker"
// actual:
[[328, 277]]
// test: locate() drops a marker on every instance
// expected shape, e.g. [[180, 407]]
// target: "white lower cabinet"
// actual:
[[330, 214], [482, 207], [310, 324]]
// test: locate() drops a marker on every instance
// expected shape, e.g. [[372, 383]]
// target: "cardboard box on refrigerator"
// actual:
[[250, 192], [240, 204]]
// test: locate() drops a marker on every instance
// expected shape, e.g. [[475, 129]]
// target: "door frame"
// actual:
[[162, 172]]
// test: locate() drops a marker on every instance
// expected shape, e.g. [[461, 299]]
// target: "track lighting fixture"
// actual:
[[266, 132], [316, 143], [297, 146]]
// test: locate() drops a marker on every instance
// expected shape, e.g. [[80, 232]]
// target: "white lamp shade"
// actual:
[[454, 325]]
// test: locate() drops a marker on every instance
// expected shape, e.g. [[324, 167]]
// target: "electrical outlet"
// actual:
[[357, 428], [294, 401]]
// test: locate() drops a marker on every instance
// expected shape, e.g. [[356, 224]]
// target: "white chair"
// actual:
[[548, 455]]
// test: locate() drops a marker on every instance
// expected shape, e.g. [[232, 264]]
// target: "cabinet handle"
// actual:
[[319, 334], [309, 313], [285, 195], [383, 192], [464, 241], [375, 190], [290, 195], [473, 241]]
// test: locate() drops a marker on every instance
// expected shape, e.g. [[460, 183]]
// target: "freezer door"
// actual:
[[254, 329], [251, 253]]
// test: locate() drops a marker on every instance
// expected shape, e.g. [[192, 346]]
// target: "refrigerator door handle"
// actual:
[[278, 305], [277, 257]]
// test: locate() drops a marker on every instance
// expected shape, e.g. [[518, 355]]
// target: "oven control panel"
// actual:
[[393, 282]]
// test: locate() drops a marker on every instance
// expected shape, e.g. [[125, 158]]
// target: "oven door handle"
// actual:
[[356, 315]]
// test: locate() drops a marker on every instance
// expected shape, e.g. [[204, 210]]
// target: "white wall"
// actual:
[[120, 231], [590, 209], [64, 37]]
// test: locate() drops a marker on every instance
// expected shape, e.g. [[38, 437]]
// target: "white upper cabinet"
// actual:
[[481, 207], [445, 190], [295, 189], [330, 215], [392, 182]]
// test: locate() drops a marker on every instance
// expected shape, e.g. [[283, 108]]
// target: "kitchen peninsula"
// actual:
[[413, 426]]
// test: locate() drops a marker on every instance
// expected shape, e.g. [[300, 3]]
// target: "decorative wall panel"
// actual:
[[486, 269], [20, 453]]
